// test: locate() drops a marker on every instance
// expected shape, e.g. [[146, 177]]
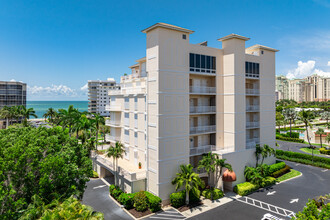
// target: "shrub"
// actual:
[[303, 158], [95, 174], [268, 181], [112, 187], [140, 201], [194, 197], [293, 135], [283, 138], [177, 199], [127, 200], [217, 193], [245, 188], [154, 202], [115, 191], [275, 167], [282, 171], [324, 151]]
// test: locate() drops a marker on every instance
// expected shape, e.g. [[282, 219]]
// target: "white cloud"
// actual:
[[84, 88], [12, 80], [328, 63], [306, 69], [53, 90]]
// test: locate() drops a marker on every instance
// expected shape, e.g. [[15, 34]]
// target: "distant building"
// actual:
[[311, 88], [98, 95], [12, 93]]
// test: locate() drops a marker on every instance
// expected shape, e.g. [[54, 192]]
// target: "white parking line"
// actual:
[[96, 187]]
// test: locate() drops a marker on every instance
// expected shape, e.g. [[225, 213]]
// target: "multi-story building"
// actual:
[[184, 100], [311, 88], [11, 94], [98, 95]]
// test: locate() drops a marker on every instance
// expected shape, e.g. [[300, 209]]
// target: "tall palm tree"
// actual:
[[220, 164], [326, 115], [290, 115], [98, 120], [253, 175], [26, 113], [306, 118], [207, 163], [68, 117], [279, 120], [83, 124], [116, 152], [104, 130], [188, 179], [266, 151], [258, 153], [5, 114], [320, 132], [50, 114]]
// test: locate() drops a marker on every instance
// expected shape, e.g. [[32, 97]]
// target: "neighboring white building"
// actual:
[[183, 100], [98, 95]]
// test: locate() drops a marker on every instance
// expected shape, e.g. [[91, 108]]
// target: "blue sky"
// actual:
[[56, 46]]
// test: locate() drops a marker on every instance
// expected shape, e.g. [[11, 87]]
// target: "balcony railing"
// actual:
[[109, 137], [202, 109], [202, 89], [252, 124], [252, 91], [252, 75], [251, 143], [250, 108], [202, 129], [112, 107], [110, 122], [201, 150]]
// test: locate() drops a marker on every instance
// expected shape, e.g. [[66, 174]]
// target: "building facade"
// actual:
[[98, 96], [311, 88], [184, 100]]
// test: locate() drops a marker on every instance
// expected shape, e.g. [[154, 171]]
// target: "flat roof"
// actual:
[[258, 46], [167, 26], [233, 36], [135, 65]]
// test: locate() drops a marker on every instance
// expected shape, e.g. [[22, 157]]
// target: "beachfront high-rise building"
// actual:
[[11, 94], [98, 95], [311, 88], [184, 100]]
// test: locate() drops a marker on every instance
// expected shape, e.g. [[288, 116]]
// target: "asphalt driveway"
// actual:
[[97, 196], [294, 147]]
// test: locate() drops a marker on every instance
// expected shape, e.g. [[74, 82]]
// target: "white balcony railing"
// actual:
[[202, 109], [251, 143], [111, 122], [201, 150], [252, 91], [252, 75], [112, 107], [202, 129], [202, 89], [252, 124], [252, 108], [109, 137]]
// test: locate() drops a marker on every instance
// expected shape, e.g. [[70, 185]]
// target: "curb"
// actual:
[[122, 207], [290, 178]]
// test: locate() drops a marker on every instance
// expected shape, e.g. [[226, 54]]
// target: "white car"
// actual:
[[270, 217]]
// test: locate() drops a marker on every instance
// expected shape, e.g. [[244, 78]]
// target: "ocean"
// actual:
[[40, 107]]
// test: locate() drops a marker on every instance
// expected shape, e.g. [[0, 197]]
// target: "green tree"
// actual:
[[67, 118], [279, 120], [116, 152], [26, 113], [5, 114], [320, 132], [98, 120], [219, 165], [253, 175], [188, 179], [208, 163], [290, 115], [310, 211], [266, 151], [258, 153], [50, 114], [328, 138], [39, 161], [306, 118], [104, 130]]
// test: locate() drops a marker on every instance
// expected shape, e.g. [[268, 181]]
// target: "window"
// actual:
[[136, 138], [126, 136], [135, 120], [252, 69], [202, 63], [184, 36], [127, 153]]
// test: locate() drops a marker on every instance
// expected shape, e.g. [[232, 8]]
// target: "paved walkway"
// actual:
[[97, 196], [294, 147]]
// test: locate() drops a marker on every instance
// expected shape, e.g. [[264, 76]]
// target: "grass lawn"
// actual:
[[309, 150], [289, 175]]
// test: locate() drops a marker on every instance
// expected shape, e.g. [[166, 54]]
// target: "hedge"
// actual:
[[154, 202], [280, 137], [140, 201], [303, 158], [268, 181], [245, 188], [324, 151], [217, 193], [127, 200], [282, 171], [275, 167], [178, 199], [293, 135]]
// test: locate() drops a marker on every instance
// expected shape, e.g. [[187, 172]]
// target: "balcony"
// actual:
[[252, 108], [252, 75], [113, 108], [252, 91], [251, 143], [202, 109], [111, 138], [126, 105], [110, 122], [203, 129], [201, 150], [202, 90], [252, 124]]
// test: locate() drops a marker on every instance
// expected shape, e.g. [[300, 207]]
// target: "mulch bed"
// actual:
[[190, 206], [137, 214]]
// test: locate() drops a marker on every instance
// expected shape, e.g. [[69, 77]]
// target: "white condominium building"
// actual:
[[98, 96], [184, 100]]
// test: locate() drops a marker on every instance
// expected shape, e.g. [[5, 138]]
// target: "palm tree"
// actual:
[[104, 130], [258, 153], [328, 138], [220, 164], [266, 151], [98, 120], [116, 152], [290, 115], [253, 175], [50, 114], [279, 120], [26, 114], [306, 118], [320, 132], [326, 115], [207, 163], [67, 118], [5, 114], [83, 124], [188, 179]]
